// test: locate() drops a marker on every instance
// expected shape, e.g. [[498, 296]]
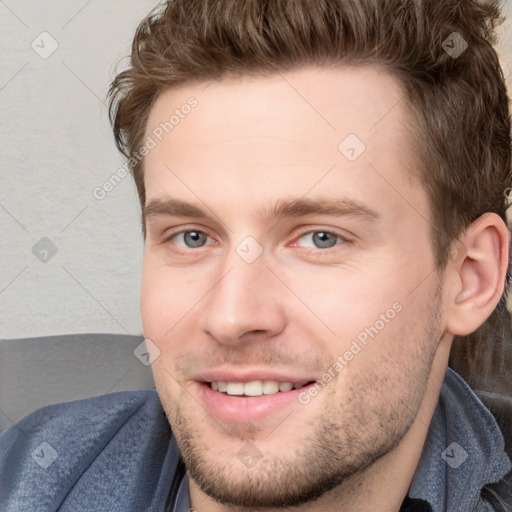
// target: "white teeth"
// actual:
[[270, 387], [235, 388], [285, 386], [254, 388]]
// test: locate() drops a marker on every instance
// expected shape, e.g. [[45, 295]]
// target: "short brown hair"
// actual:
[[459, 102]]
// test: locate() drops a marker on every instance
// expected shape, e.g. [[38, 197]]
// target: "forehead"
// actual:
[[270, 135], [313, 102]]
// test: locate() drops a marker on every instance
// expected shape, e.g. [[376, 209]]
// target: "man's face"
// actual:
[[281, 251]]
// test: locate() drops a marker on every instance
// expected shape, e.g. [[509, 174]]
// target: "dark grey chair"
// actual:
[[50, 369]]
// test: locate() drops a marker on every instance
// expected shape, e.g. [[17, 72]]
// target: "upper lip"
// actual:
[[238, 375]]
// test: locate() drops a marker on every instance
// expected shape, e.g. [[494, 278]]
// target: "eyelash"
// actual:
[[183, 231], [342, 238], [325, 232]]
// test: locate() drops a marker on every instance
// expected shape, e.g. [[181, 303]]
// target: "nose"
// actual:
[[244, 304]]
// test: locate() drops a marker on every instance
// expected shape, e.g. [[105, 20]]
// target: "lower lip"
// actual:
[[244, 409]]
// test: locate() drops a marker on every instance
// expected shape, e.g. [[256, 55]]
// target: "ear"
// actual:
[[476, 274]]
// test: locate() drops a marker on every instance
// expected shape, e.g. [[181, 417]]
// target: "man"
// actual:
[[323, 203]]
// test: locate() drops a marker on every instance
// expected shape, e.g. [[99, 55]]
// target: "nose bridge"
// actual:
[[239, 287], [243, 301]]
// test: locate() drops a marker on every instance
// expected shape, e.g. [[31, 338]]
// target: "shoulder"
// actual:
[[48, 451], [102, 415], [499, 494]]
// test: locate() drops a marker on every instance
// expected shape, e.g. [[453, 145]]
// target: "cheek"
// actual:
[[167, 297], [372, 316], [346, 300]]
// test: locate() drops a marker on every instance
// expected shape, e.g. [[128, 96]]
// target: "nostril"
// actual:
[[255, 332]]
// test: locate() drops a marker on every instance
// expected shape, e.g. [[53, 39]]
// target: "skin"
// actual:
[[250, 144]]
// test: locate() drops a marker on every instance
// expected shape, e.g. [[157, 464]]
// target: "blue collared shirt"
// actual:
[[463, 452], [116, 453]]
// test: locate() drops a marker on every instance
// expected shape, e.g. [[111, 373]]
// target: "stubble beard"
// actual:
[[346, 439]]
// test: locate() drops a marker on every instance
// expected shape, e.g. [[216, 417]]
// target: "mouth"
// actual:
[[256, 387], [236, 402]]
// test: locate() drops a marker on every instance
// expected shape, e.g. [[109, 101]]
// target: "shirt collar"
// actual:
[[463, 452], [182, 499]]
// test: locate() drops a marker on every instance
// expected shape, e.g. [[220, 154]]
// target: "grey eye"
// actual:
[[324, 240], [193, 239]]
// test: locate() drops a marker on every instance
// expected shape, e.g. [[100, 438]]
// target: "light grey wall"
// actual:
[[505, 41], [56, 147]]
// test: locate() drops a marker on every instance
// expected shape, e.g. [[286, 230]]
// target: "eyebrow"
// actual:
[[334, 207], [171, 208], [282, 209]]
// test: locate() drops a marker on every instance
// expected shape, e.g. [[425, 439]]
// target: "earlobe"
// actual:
[[477, 274]]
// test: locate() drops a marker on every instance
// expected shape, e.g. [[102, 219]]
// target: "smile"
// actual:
[[238, 402], [255, 387]]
